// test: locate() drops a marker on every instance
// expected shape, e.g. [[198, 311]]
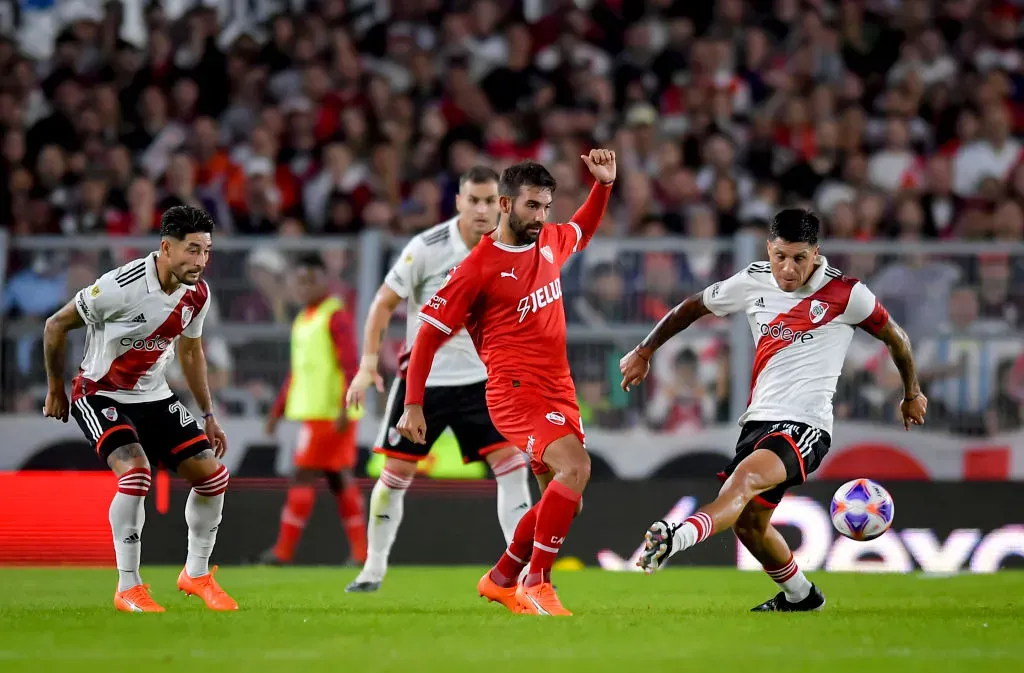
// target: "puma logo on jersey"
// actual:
[[509, 274], [539, 298], [818, 310]]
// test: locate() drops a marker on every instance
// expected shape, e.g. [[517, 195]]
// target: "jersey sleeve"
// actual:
[[448, 308], [566, 239], [865, 311], [194, 330], [100, 301], [406, 273], [727, 296]]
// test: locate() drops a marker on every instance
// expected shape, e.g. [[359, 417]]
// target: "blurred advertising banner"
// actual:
[[883, 452], [56, 518]]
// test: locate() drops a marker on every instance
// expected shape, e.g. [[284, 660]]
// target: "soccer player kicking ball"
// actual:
[[134, 317], [802, 314], [508, 295]]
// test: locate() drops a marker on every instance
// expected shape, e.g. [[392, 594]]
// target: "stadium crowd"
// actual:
[[894, 119]]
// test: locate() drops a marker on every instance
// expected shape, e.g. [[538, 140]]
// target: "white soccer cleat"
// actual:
[[657, 546]]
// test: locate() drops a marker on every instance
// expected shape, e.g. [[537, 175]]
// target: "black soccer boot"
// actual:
[[357, 587], [814, 602]]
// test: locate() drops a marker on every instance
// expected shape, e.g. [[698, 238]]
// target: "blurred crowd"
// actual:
[[893, 119]]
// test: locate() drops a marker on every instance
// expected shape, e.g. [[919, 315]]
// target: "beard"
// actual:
[[184, 280], [518, 228]]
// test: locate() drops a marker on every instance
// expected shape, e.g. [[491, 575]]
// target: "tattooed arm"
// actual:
[[914, 404], [635, 364]]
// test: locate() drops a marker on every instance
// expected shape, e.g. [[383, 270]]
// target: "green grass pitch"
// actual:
[[430, 619]]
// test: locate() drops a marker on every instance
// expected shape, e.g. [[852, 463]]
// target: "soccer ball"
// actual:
[[862, 510]]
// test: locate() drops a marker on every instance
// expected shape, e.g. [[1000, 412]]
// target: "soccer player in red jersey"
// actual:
[[508, 295]]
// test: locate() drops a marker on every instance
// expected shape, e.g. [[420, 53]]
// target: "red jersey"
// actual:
[[509, 298]]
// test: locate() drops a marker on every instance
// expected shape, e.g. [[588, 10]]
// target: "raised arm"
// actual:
[[588, 218], [55, 341]]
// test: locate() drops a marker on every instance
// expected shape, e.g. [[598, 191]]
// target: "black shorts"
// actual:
[[800, 446], [461, 408], [166, 430]]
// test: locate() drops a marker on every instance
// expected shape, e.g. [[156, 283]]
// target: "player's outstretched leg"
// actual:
[[766, 544], [513, 501], [387, 504], [351, 512], [298, 506], [203, 509], [569, 462], [761, 471], [127, 516]]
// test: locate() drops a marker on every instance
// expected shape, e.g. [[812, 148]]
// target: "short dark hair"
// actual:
[[478, 175], [795, 225], [523, 174], [310, 260], [180, 221]]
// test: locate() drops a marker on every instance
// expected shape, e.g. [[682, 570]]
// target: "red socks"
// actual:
[[353, 518], [555, 512], [297, 509], [515, 558]]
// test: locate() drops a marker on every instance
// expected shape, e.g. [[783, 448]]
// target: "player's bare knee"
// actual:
[[502, 454], [399, 467], [742, 485], [127, 457], [575, 471]]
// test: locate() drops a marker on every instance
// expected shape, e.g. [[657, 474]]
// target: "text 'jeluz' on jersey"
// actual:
[[540, 298]]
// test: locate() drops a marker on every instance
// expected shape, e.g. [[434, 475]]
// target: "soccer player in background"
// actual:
[[323, 360], [455, 387], [802, 313], [508, 295], [135, 317]]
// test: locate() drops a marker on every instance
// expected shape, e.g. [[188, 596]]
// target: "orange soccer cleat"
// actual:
[[489, 589], [207, 588], [540, 599], [136, 599]]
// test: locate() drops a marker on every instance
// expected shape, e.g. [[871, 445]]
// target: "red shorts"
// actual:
[[321, 447], [530, 419]]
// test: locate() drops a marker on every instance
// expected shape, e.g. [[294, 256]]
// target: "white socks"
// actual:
[[127, 516], [513, 493], [387, 504], [203, 514], [791, 580], [696, 528]]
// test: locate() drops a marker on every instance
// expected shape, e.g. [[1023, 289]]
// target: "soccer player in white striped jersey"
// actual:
[[135, 317], [802, 314], [456, 390]]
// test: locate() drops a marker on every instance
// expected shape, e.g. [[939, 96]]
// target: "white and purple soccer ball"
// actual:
[[862, 510]]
